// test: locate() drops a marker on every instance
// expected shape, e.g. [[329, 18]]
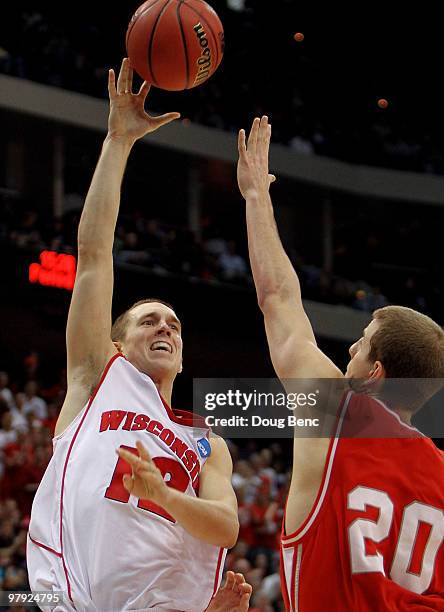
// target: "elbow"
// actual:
[[231, 533], [266, 299], [263, 299]]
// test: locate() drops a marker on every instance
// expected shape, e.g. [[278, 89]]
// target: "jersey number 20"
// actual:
[[173, 473], [417, 580]]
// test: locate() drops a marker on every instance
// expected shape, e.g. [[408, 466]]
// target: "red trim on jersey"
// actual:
[[184, 417], [290, 536], [293, 581], [326, 474], [216, 578], [284, 589], [54, 552], [105, 372]]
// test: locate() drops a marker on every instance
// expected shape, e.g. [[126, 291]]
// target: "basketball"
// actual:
[[175, 44]]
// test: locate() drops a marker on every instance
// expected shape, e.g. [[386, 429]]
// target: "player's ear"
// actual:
[[377, 372], [118, 346]]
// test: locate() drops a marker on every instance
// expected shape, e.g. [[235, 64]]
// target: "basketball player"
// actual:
[[94, 533], [364, 523]]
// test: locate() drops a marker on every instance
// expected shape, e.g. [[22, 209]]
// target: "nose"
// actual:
[[163, 328], [351, 350]]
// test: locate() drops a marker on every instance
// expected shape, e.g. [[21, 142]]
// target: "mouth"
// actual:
[[161, 345]]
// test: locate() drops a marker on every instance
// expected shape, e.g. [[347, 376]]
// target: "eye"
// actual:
[[174, 326], [147, 322]]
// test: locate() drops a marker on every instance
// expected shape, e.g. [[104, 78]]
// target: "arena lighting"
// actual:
[[54, 270]]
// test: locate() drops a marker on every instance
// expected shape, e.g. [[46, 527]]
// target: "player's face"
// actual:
[[360, 365], [153, 340]]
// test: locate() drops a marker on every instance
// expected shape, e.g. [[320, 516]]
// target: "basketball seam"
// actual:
[[144, 12], [185, 49], [208, 26], [153, 31]]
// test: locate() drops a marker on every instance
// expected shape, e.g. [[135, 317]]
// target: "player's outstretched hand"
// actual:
[[252, 168], [146, 481], [128, 120], [234, 596]]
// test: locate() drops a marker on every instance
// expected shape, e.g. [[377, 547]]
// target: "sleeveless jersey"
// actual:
[[106, 549], [373, 540]]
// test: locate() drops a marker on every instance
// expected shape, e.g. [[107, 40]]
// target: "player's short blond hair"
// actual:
[[409, 344], [120, 325]]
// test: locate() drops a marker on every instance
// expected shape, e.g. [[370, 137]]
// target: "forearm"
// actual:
[[272, 270], [99, 215], [211, 521]]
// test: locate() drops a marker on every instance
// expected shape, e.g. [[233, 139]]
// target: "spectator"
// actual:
[[33, 403], [5, 391], [233, 266], [8, 435]]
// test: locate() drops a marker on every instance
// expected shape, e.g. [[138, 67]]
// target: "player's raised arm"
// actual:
[[88, 331], [291, 341]]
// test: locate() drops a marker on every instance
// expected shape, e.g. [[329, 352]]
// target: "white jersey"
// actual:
[[106, 549]]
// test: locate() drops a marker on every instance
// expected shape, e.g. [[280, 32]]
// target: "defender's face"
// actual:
[[153, 340], [360, 365]]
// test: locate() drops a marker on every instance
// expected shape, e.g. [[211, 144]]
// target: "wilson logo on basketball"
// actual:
[[204, 61]]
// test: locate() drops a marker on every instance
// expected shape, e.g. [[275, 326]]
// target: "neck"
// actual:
[[404, 415], [165, 388]]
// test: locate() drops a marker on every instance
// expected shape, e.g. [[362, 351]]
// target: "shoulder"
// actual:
[[220, 457], [369, 417]]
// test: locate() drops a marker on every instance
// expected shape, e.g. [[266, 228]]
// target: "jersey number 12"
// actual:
[[173, 473]]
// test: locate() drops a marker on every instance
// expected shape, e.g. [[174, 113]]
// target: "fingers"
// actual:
[[252, 138], [264, 135], [244, 602], [123, 76], [164, 119], [144, 89], [131, 458], [129, 79], [241, 143], [112, 84], [245, 589], [128, 482], [238, 581], [258, 139], [143, 453], [230, 581]]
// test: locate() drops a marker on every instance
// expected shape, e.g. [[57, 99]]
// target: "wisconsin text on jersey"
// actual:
[[131, 421]]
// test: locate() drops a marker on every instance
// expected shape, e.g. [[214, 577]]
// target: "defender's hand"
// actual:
[[234, 596], [146, 481], [128, 120], [252, 167]]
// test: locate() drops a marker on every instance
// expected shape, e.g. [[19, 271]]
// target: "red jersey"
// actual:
[[374, 538]]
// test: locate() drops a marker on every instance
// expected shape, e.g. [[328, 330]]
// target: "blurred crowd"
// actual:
[[43, 45], [28, 414], [360, 277]]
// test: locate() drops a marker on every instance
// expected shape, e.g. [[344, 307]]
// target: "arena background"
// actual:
[[359, 204]]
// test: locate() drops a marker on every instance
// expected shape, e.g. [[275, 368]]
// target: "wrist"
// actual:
[[124, 142], [167, 498], [256, 194]]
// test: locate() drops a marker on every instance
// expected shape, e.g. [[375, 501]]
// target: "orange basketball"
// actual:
[[175, 44]]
